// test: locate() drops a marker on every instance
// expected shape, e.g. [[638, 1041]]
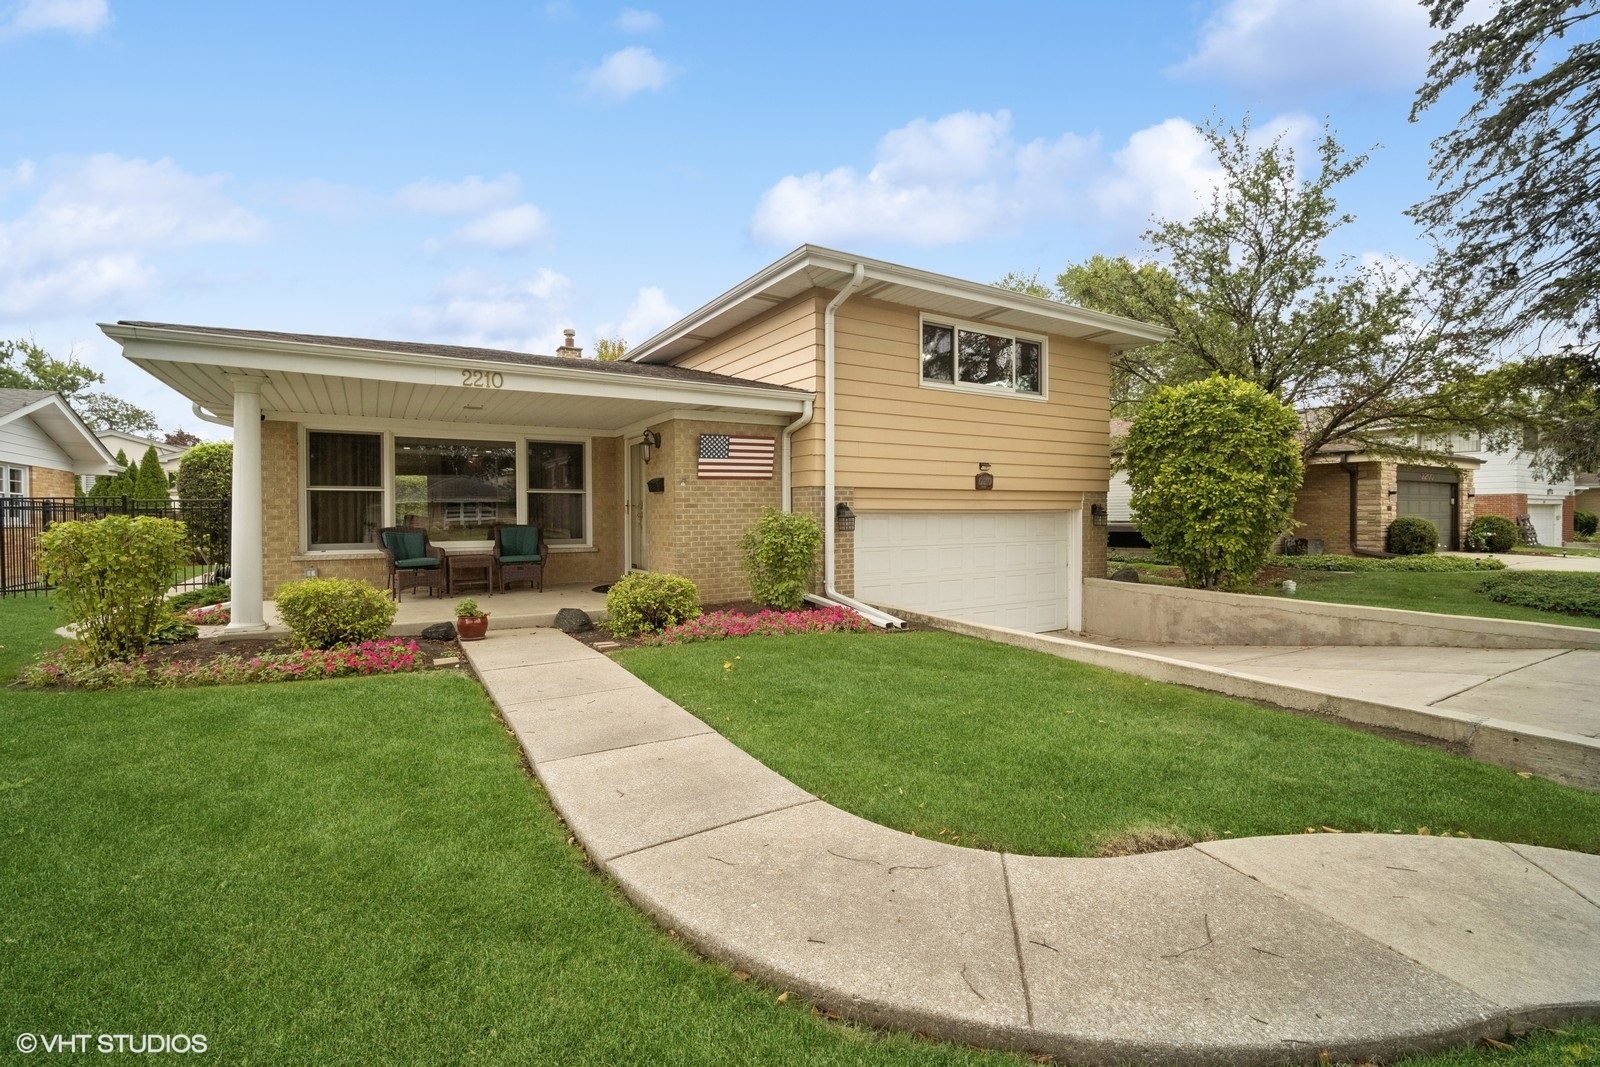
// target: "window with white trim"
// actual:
[[558, 491], [13, 486], [454, 488], [344, 489], [967, 357]]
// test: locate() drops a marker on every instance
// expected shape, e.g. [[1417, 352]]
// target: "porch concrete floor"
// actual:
[[517, 609]]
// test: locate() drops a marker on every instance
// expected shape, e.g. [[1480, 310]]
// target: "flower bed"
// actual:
[[209, 615], [718, 625], [68, 668]]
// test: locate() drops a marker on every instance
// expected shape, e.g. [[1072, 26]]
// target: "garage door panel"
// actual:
[[1006, 568]]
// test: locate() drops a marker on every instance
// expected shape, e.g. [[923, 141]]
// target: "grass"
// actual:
[[1448, 594], [359, 871], [27, 628], [998, 747], [1550, 550]]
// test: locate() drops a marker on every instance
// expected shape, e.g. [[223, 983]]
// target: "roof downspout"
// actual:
[[205, 416], [871, 614], [788, 438]]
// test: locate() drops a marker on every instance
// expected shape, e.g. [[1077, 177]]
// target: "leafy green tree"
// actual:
[[205, 472], [1214, 467], [102, 411], [607, 349], [1248, 292], [24, 365], [152, 480], [118, 484], [181, 438], [1518, 204]]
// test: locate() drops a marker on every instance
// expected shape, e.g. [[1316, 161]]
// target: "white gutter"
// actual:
[[788, 448], [872, 614], [205, 416]]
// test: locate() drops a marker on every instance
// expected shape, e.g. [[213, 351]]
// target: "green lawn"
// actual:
[[1448, 594], [360, 871], [998, 747], [27, 628]]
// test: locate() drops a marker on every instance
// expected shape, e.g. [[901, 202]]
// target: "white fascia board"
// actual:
[[807, 256], [144, 343]]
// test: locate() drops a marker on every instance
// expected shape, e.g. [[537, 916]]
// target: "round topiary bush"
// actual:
[[649, 600], [328, 612], [1410, 535], [1491, 533], [1584, 523]]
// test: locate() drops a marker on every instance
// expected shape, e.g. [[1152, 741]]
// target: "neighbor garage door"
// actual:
[[1546, 519], [1007, 569]]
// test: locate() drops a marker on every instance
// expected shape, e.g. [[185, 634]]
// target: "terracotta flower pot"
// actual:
[[472, 629]]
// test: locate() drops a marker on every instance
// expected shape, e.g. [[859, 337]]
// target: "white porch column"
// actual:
[[246, 614]]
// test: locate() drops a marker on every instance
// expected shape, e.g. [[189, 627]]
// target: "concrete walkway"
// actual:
[[1536, 562], [1261, 950]]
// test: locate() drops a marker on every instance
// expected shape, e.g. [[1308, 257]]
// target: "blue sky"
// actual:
[[489, 173]]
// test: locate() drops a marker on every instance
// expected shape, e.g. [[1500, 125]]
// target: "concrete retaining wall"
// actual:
[[1171, 615]]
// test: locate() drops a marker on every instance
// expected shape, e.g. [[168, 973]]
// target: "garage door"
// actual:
[[1006, 569], [1546, 519], [1434, 501]]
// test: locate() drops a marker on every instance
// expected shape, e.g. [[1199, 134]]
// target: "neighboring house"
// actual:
[[1508, 485], [951, 436], [1587, 497], [135, 446], [44, 445]]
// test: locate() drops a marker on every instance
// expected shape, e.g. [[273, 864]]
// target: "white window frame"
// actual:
[[588, 486], [13, 516], [991, 330]]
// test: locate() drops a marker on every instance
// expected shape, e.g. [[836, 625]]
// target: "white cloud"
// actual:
[[622, 74], [1307, 45], [954, 179], [632, 20], [82, 17], [469, 196], [649, 314], [319, 197], [88, 235], [504, 230], [472, 308], [18, 177]]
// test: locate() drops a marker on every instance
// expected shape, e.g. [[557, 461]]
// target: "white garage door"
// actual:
[[1546, 519], [1006, 568]]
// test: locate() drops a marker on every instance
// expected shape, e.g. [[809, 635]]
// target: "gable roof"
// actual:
[[56, 419], [814, 267]]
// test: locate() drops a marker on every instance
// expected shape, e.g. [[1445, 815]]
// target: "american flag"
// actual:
[[732, 456]]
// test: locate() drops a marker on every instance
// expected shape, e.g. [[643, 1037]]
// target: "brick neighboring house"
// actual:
[[1587, 495], [963, 427], [44, 445]]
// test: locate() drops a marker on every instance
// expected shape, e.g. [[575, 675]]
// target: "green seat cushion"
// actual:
[[405, 544], [519, 559], [416, 562], [519, 541]]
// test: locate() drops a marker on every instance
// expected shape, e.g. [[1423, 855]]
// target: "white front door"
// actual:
[[1009, 569], [638, 544]]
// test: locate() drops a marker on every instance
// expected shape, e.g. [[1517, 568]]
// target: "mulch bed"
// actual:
[[204, 650]]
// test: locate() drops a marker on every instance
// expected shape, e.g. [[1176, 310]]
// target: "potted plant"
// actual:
[[471, 621]]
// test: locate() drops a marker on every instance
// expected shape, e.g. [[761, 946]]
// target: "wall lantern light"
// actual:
[[652, 439], [1097, 514], [983, 479], [844, 520]]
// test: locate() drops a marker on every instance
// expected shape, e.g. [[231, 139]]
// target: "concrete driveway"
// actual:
[[1538, 563]]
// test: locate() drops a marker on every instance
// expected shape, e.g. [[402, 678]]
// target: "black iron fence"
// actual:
[[24, 518]]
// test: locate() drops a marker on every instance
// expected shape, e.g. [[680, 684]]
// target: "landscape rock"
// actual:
[[1125, 574], [573, 621], [439, 631]]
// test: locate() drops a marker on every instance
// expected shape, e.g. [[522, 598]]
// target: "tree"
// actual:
[[607, 349], [1518, 203], [152, 480], [1214, 467], [180, 438], [1359, 351], [24, 365], [205, 472], [120, 484]]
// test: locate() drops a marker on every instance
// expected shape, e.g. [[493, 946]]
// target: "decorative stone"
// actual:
[[573, 621], [440, 631], [1125, 574]]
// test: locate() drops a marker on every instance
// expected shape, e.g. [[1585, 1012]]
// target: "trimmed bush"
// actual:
[[329, 612], [1584, 523], [649, 600], [205, 472], [1373, 563], [1566, 592], [780, 552], [110, 577], [1411, 535], [1492, 533]]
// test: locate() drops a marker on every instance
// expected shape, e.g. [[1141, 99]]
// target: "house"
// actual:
[[951, 436], [44, 445], [134, 446], [1587, 497], [1508, 485]]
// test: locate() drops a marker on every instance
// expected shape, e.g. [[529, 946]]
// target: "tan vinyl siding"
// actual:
[[905, 446], [783, 347]]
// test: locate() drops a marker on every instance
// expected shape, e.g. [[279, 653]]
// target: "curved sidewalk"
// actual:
[[1261, 950]]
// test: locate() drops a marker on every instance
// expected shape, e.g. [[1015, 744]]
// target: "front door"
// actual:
[[638, 557]]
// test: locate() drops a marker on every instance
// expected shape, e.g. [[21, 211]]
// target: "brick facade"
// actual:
[[1322, 509], [1094, 538], [808, 499], [48, 481]]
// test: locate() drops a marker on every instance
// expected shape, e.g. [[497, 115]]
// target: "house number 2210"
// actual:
[[483, 379]]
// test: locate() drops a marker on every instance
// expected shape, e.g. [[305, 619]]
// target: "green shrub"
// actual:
[[1373, 563], [780, 552], [1584, 523], [173, 629], [1567, 592], [649, 600], [205, 472], [1492, 533], [1214, 466], [151, 483], [110, 577], [220, 593], [1411, 535], [329, 612]]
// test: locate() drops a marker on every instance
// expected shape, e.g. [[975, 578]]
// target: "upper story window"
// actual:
[[973, 357]]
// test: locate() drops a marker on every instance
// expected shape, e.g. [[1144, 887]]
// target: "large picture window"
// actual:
[[558, 491], [344, 489], [456, 490], [959, 356]]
